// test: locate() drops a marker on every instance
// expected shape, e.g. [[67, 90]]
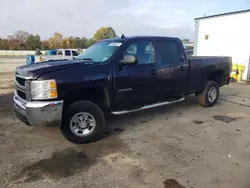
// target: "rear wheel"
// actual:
[[209, 96], [84, 122]]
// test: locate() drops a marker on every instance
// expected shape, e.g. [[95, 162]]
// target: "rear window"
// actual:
[[59, 52], [169, 51], [52, 52], [67, 52]]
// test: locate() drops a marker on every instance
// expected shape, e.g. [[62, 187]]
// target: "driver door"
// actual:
[[135, 83]]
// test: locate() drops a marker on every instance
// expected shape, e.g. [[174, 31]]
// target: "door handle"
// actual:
[[153, 71], [183, 67]]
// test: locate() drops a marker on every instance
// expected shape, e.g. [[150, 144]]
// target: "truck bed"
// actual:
[[203, 67]]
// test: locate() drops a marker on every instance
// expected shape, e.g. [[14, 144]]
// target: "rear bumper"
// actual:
[[39, 113]]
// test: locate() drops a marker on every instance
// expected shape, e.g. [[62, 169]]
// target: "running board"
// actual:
[[147, 107]]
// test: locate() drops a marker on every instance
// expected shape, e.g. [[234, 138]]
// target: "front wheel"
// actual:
[[209, 96], [84, 122]]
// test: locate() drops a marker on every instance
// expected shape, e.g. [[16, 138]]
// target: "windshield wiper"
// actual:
[[85, 59], [88, 60]]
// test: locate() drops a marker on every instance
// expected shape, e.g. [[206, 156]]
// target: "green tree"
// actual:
[[90, 42], [84, 43], [55, 41], [63, 43], [4, 45], [76, 42], [79, 42], [33, 42], [19, 38], [45, 45], [13, 44], [104, 33], [185, 40], [69, 42]]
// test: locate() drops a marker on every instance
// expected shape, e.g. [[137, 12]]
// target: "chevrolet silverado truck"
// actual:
[[117, 76]]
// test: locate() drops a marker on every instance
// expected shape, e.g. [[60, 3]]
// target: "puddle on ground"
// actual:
[[6, 107], [112, 131], [144, 121], [69, 161], [171, 183], [198, 122], [61, 164], [180, 114], [119, 130], [226, 119]]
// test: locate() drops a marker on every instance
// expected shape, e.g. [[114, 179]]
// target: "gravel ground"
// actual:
[[7, 68], [8, 65], [182, 144]]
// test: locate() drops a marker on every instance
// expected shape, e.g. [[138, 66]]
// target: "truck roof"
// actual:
[[139, 37]]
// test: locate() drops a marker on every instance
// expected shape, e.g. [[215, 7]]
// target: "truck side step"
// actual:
[[148, 107]]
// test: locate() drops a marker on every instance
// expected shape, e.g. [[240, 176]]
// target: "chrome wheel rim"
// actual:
[[82, 124], [212, 94]]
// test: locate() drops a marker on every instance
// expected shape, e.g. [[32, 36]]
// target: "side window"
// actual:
[[67, 53], [59, 52], [143, 50], [74, 53], [169, 51]]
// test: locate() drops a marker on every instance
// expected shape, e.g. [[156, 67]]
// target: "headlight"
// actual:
[[45, 89]]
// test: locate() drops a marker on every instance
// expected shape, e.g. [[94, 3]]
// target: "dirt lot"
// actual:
[[185, 143], [7, 67]]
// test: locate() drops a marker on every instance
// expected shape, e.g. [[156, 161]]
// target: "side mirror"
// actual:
[[128, 59]]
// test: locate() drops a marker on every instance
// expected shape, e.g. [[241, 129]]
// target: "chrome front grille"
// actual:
[[22, 88], [21, 94], [20, 81]]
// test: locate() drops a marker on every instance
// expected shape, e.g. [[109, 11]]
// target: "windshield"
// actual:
[[100, 52]]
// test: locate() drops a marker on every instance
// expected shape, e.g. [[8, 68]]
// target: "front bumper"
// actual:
[[39, 113]]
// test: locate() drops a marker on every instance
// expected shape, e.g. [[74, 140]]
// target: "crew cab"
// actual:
[[117, 76]]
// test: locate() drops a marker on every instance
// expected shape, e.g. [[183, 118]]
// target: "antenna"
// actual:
[[123, 36]]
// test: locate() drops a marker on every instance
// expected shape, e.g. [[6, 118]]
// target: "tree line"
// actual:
[[22, 40]]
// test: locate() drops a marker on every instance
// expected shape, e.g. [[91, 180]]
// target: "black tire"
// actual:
[[203, 96], [87, 107]]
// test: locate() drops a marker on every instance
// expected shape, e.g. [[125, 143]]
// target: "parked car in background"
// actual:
[[56, 55], [50, 52], [190, 53]]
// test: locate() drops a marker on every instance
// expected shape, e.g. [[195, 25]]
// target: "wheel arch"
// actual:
[[96, 94], [218, 77]]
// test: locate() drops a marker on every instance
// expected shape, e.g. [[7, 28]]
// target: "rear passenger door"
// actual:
[[174, 70]]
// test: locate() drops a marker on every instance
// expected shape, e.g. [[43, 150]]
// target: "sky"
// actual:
[[130, 17]]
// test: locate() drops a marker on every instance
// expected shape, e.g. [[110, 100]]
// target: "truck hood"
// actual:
[[35, 70]]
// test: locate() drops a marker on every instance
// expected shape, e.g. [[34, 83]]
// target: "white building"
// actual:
[[225, 35]]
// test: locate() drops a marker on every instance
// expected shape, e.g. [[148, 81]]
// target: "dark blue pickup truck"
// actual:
[[116, 76]]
